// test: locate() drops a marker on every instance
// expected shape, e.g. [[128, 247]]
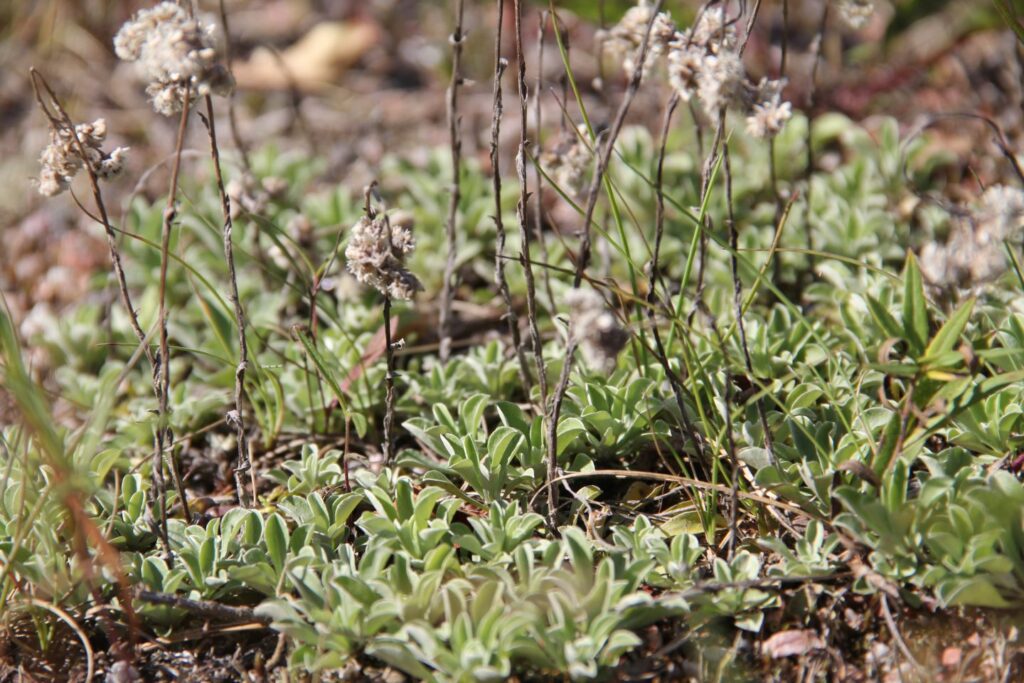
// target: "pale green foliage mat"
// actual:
[[894, 410]]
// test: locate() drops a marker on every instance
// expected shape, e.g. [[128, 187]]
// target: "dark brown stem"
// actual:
[[780, 203], [603, 157], [706, 227], [809, 170], [389, 384], [605, 152], [737, 286], [538, 177], [203, 608], [552, 426], [236, 137], [524, 196], [734, 498], [103, 218], [500, 64], [164, 436], [455, 139], [238, 419], [675, 383]]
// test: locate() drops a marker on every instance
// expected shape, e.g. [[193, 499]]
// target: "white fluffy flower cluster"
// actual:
[[595, 328], [569, 163], [704, 61], [376, 254], [62, 159], [175, 53], [855, 13], [973, 253], [623, 40]]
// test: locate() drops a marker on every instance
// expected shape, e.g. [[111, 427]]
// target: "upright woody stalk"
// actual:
[[237, 416], [447, 292]]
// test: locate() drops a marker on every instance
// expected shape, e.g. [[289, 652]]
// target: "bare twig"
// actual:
[[238, 418], [500, 64], [602, 159], [655, 274], [389, 382], [894, 630], [236, 136], [387, 443], [115, 256], [538, 177], [738, 295], [705, 187], [605, 152], [164, 435], [734, 475], [447, 286], [203, 608], [524, 196], [811, 93]]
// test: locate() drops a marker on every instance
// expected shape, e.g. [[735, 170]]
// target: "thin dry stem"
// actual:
[[387, 441], [675, 382], [389, 383], [104, 219], [583, 258], [538, 177], [809, 169], [238, 419], [605, 155], [164, 436], [455, 139], [236, 136], [500, 64], [738, 295], [524, 197]]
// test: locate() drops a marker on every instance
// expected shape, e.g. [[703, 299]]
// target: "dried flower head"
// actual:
[[569, 163], [175, 53], [720, 83], [250, 195], [855, 13], [62, 158], [973, 254], [623, 40], [376, 254], [713, 32], [704, 61], [769, 113], [595, 328]]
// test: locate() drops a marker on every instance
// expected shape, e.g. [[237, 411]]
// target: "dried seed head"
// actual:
[[720, 83], [595, 328], [62, 159], [376, 254], [973, 254], [569, 163], [769, 113], [704, 61], [855, 13], [713, 32], [625, 38], [174, 53]]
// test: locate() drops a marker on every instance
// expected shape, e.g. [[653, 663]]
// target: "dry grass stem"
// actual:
[[455, 141], [497, 110], [236, 418]]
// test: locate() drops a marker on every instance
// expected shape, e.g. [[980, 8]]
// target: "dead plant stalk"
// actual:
[[603, 158], [237, 416], [455, 140], [500, 64]]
